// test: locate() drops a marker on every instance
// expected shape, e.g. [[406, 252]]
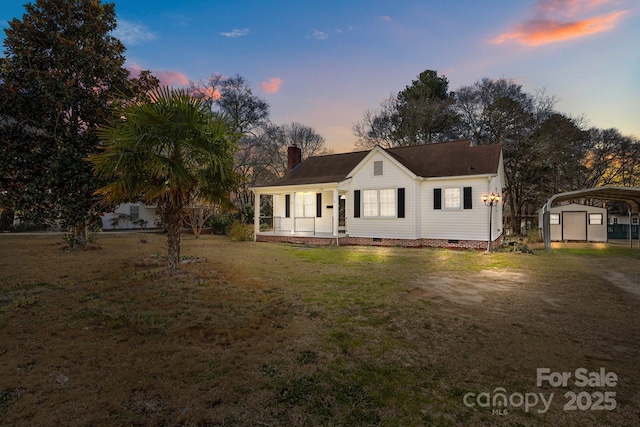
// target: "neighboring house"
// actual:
[[129, 216], [424, 195], [619, 226], [574, 222], [623, 219]]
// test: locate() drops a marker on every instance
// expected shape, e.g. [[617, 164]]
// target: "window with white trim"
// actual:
[[452, 198], [379, 203], [595, 219], [370, 203], [634, 220], [305, 205], [387, 203], [554, 219], [134, 212]]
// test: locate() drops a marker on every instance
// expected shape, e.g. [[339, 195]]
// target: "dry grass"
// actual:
[[279, 335]]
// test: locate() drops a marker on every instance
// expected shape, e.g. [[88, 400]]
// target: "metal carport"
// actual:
[[630, 195]]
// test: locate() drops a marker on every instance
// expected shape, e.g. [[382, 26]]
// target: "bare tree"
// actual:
[[378, 127]]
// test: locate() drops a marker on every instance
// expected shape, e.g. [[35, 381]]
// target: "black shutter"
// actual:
[[356, 203], [468, 199], [287, 205], [400, 202], [437, 198], [318, 205]]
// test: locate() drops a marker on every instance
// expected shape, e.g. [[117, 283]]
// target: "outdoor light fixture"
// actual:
[[490, 200]]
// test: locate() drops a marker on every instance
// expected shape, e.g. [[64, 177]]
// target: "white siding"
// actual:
[[623, 219], [594, 233], [323, 224], [120, 218], [460, 224], [393, 177]]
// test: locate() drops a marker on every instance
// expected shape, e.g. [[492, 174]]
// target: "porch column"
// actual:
[[336, 211], [293, 212], [630, 233], [546, 226], [256, 216]]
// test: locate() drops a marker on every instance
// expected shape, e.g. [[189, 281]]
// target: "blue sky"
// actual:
[[323, 63]]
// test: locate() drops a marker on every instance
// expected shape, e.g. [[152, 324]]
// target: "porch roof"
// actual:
[[321, 170], [456, 158]]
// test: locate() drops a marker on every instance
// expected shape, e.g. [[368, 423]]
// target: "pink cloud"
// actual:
[[560, 20], [210, 93], [272, 85], [167, 78], [386, 18], [171, 78]]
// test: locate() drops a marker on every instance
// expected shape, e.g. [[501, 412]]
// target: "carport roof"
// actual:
[[631, 195]]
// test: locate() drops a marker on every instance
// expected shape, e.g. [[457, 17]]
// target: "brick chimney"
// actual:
[[294, 157]]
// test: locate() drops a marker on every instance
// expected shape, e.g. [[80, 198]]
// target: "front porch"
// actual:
[[297, 216], [300, 230]]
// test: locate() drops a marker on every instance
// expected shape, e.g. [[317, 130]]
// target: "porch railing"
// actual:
[[305, 224], [279, 223]]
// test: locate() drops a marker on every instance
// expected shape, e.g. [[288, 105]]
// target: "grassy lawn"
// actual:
[[278, 335]]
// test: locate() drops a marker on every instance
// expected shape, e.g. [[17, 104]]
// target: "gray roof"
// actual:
[[631, 195], [456, 158]]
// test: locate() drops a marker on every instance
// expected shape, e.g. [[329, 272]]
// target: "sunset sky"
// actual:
[[324, 63]]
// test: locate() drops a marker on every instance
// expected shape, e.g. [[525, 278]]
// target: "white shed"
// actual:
[[577, 223]]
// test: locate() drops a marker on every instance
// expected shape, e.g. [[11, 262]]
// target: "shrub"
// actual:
[[533, 235], [219, 224], [240, 232]]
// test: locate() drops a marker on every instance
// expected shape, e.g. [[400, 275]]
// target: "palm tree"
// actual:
[[166, 150]]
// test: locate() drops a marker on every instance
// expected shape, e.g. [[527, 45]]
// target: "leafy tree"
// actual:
[[424, 110], [420, 114], [169, 150], [60, 69]]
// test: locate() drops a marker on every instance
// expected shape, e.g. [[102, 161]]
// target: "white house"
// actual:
[[129, 216], [425, 195], [576, 222], [618, 218]]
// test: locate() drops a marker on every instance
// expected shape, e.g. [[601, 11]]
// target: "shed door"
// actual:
[[574, 226]]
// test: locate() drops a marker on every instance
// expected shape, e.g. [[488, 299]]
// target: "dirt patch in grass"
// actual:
[[281, 335], [469, 289]]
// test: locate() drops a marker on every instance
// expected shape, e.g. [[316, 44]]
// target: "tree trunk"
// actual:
[[80, 231], [513, 213], [173, 222], [6, 219]]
